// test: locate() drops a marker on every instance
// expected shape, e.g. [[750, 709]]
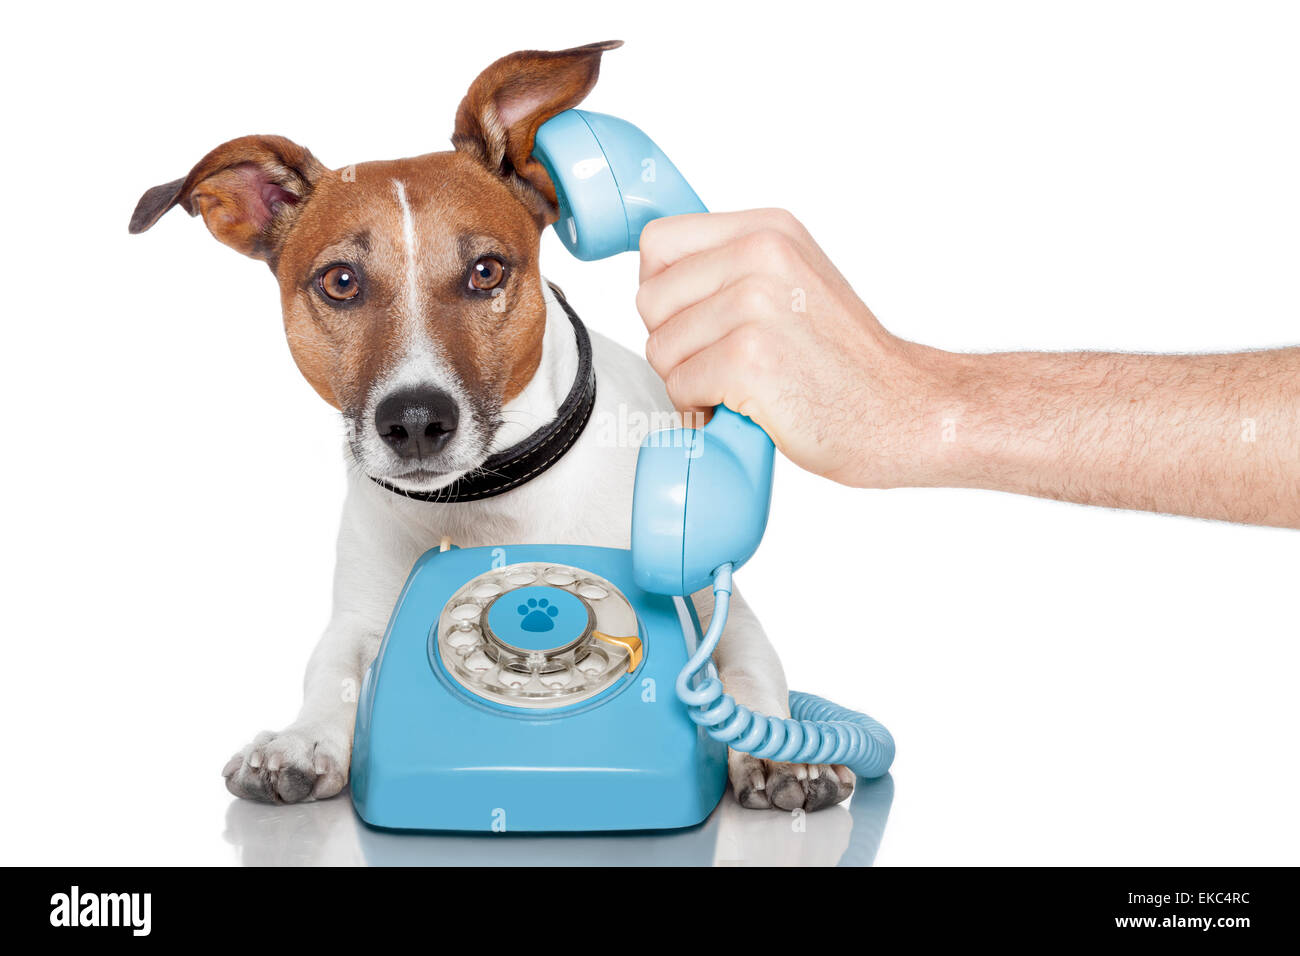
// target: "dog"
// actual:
[[414, 304]]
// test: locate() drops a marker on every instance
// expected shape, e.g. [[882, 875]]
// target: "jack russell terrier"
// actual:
[[414, 304]]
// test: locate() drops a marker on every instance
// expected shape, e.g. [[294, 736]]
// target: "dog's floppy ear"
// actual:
[[498, 118], [249, 191]]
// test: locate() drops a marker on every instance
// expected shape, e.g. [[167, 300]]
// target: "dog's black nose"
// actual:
[[417, 422]]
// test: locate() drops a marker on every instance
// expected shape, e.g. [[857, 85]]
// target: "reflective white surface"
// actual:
[[329, 833]]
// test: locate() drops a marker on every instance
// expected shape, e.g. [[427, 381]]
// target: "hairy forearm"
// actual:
[[746, 310], [1215, 436]]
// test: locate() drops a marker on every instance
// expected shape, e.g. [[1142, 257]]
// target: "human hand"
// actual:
[[744, 309]]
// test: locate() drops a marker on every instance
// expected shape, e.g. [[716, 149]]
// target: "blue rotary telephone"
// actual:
[[563, 687]]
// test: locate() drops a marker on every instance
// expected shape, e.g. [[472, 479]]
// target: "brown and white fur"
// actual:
[[417, 240]]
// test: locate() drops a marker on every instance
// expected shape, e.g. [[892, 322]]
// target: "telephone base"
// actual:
[[478, 716]]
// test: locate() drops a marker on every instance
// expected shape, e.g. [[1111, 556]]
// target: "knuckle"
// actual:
[[784, 220], [654, 351], [772, 248], [789, 225], [675, 384], [650, 234], [752, 296], [644, 300], [653, 238], [751, 347]]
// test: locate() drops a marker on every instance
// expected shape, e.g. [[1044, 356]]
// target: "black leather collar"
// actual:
[[525, 460]]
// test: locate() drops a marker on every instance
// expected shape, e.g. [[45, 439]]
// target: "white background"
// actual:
[[1067, 685]]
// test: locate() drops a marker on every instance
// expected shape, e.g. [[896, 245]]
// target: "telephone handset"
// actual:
[[702, 495], [527, 695]]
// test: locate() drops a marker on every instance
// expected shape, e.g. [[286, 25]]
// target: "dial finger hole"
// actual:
[[463, 637], [465, 612], [558, 680], [593, 663], [512, 678]]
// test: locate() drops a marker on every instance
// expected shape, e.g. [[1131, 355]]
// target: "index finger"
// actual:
[[673, 238]]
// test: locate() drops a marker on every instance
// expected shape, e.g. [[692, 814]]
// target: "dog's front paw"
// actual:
[[301, 763], [764, 785]]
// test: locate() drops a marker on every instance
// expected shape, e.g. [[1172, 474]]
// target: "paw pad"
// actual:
[[538, 615]]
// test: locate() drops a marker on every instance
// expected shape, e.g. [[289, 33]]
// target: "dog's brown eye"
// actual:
[[340, 283], [486, 274]]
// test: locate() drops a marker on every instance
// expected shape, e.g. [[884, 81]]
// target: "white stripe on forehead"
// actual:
[[422, 360], [410, 242]]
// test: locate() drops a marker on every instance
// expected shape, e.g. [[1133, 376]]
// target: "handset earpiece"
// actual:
[[611, 179], [702, 495]]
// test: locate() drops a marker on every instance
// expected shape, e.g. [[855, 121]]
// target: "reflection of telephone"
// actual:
[[534, 694]]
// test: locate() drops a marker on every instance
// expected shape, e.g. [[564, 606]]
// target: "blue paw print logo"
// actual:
[[538, 615]]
